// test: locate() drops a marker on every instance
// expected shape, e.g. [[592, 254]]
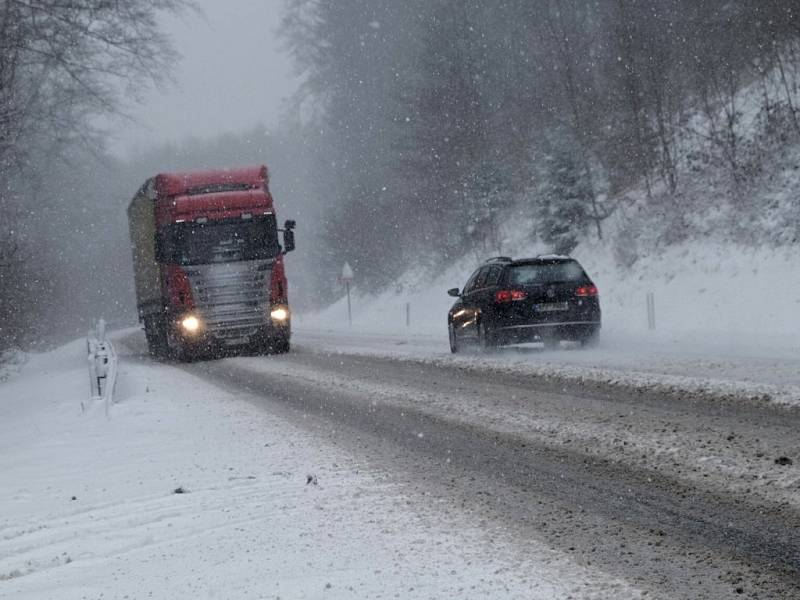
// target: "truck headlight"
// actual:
[[279, 314], [190, 324]]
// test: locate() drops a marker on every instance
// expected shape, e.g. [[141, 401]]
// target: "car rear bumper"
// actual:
[[535, 332]]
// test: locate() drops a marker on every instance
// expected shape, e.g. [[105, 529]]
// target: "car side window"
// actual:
[[470, 285], [494, 276], [480, 280]]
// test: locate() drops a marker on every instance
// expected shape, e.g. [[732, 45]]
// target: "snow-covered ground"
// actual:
[[91, 505], [727, 322]]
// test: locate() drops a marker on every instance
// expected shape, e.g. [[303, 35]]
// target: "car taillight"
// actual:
[[586, 290], [179, 289], [504, 296], [277, 284]]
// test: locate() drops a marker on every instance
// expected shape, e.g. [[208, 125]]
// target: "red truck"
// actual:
[[208, 264]]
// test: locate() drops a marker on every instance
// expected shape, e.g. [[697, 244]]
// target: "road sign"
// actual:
[[347, 273]]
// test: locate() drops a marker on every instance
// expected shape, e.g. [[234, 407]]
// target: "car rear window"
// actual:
[[545, 273]]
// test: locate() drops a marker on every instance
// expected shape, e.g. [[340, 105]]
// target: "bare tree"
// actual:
[[63, 63]]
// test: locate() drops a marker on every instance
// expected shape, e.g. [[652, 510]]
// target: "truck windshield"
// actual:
[[219, 241]]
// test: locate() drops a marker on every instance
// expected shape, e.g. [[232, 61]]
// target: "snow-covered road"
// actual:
[[89, 507], [380, 466], [682, 494], [762, 369]]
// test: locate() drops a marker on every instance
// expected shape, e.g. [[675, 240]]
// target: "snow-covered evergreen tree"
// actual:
[[563, 200]]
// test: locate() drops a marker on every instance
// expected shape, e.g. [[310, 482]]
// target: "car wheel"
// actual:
[[550, 343], [591, 341], [451, 333], [485, 340]]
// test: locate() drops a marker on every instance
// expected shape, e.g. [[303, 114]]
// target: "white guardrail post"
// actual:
[[651, 311], [102, 365]]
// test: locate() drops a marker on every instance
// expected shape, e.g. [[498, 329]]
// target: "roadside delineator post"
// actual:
[[102, 359], [408, 314], [651, 311], [347, 278]]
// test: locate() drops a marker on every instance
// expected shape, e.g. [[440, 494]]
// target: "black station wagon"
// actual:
[[543, 299]]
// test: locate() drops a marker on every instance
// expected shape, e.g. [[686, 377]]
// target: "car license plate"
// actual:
[[237, 341], [552, 307]]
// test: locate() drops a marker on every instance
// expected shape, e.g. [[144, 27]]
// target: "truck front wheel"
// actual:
[[279, 345], [155, 331], [270, 344]]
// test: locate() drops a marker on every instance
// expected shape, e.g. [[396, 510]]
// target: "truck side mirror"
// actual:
[[288, 240], [453, 292]]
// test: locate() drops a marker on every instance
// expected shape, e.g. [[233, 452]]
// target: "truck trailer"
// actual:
[[208, 265]]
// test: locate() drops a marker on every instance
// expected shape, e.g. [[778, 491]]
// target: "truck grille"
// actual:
[[232, 298]]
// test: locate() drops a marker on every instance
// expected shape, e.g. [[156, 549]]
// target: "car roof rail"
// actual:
[[503, 259], [552, 256]]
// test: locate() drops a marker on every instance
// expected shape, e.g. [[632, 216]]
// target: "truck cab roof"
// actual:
[[218, 205], [204, 182]]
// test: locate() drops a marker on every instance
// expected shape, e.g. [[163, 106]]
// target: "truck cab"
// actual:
[[209, 265]]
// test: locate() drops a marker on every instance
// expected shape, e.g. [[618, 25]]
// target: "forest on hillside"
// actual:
[[421, 128], [433, 121]]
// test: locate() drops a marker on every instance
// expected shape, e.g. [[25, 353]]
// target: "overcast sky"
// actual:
[[233, 75]]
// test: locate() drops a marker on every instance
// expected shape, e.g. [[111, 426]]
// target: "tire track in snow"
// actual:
[[658, 529]]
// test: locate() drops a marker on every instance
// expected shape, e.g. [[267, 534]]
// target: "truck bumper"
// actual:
[[221, 341]]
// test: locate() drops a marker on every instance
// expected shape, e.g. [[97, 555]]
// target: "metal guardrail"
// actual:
[[102, 359]]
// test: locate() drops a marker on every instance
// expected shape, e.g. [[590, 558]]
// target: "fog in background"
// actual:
[[398, 134], [234, 73]]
